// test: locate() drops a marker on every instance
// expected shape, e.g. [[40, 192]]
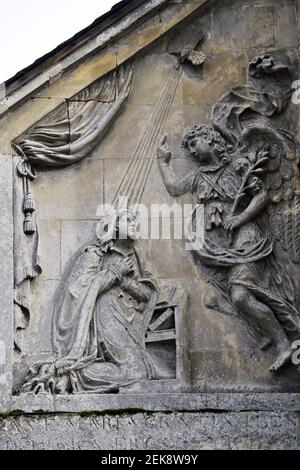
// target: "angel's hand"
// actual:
[[232, 223], [255, 185], [263, 153], [164, 153]]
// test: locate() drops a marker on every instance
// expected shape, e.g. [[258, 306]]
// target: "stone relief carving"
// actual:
[[185, 47], [107, 310], [66, 136], [107, 313], [110, 330], [247, 178]]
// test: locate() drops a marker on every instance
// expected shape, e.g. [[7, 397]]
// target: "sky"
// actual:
[[31, 28]]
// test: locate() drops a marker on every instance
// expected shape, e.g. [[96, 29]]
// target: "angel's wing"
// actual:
[[281, 177]]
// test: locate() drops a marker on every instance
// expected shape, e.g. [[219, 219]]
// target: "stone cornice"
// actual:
[[102, 41]]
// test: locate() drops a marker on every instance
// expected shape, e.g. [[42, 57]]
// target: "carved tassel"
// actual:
[[28, 209], [29, 224], [29, 204], [28, 174]]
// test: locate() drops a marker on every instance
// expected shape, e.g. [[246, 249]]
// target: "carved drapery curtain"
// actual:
[[66, 136]]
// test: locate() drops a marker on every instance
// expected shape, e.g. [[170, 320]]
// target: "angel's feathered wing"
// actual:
[[281, 177]]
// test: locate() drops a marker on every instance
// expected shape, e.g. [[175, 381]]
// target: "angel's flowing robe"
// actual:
[[100, 322], [244, 257]]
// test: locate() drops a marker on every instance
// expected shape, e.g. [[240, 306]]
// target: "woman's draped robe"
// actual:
[[100, 324]]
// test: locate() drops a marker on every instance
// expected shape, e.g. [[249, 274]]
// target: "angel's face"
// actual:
[[201, 149]]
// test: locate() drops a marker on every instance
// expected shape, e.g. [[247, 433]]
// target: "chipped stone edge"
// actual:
[[155, 402]]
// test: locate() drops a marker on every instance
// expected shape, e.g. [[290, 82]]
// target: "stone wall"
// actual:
[[222, 357], [173, 432]]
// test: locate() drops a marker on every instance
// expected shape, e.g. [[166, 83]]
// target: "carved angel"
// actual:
[[251, 199]]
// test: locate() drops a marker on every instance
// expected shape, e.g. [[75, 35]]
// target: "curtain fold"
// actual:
[[71, 132]]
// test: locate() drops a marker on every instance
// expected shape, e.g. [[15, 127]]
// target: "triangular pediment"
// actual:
[[112, 40], [85, 125]]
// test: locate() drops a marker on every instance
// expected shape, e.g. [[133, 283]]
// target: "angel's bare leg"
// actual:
[[249, 308]]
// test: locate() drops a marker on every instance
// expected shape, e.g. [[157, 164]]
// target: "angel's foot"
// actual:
[[283, 360]]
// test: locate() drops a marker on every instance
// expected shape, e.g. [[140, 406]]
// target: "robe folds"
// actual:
[[99, 325]]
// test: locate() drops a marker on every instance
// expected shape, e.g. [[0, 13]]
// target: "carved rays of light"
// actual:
[[137, 173]]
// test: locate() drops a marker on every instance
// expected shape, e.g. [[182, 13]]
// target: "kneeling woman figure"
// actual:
[[101, 318]]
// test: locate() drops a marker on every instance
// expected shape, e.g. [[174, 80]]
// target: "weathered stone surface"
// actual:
[[69, 189], [286, 26], [50, 230], [238, 401], [35, 343], [112, 148], [238, 27], [74, 235], [212, 377], [220, 73], [177, 431], [6, 284]]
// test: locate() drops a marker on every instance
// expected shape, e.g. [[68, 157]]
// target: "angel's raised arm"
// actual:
[[176, 186]]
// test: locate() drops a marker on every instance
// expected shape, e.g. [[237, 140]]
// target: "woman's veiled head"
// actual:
[[117, 224]]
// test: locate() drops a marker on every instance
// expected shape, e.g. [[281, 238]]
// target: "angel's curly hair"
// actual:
[[212, 137]]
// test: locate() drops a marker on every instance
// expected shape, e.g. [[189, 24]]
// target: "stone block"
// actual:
[[36, 340], [125, 52], [219, 74], [237, 27], [6, 285], [237, 370], [70, 193], [74, 235], [144, 34], [173, 14], [121, 142], [148, 86], [286, 25], [152, 431], [50, 248], [198, 373], [168, 259]]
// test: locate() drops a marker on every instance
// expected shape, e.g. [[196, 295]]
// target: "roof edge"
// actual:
[[123, 17], [117, 12]]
